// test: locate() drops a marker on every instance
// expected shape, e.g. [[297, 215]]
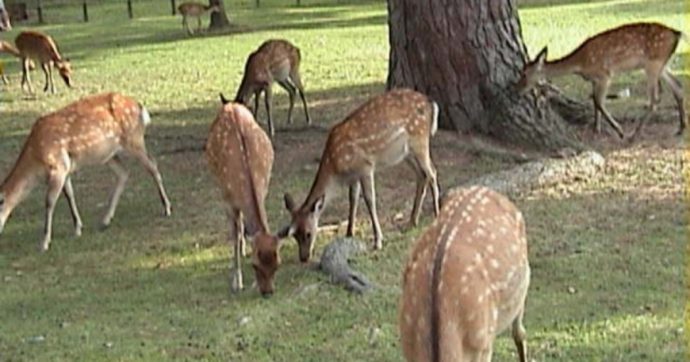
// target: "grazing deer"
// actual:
[[275, 60], [195, 10], [93, 130], [646, 46], [42, 48], [240, 156], [388, 129], [466, 280]]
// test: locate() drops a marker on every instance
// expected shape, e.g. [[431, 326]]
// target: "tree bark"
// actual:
[[468, 55], [219, 19]]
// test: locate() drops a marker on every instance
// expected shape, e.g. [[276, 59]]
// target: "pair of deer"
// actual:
[[194, 10], [35, 46]]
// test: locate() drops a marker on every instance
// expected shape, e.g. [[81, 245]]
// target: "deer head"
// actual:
[[304, 225], [533, 72], [65, 69], [265, 261]]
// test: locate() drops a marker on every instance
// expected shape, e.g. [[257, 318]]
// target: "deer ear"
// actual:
[[223, 99], [318, 205], [541, 57], [285, 232], [289, 202]]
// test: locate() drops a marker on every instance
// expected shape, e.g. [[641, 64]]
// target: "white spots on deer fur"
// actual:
[[489, 248], [464, 290], [494, 263]]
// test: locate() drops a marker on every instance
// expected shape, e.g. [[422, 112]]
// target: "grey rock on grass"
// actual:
[[335, 262]]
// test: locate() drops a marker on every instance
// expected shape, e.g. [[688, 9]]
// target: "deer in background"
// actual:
[[240, 156], [94, 130], [194, 10], [42, 48], [275, 61], [388, 129], [647, 46], [466, 280], [7, 47]]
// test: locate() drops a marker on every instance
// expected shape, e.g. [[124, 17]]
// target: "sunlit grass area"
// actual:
[[607, 252]]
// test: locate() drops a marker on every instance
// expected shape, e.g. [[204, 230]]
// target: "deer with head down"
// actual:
[[646, 46], [466, 280], [34, 45], [240, 157], [388, 129], [93, 130], [276, 60]]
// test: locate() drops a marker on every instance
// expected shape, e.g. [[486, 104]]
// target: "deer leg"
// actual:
[[600, 89], [677, 90], [185, 23], [291, 92], [151, 167], [297, 83], [56, 181], [234, 236], [369, 193], [122, 175], [68, 190], [26, 78], [267, 102], [520, 336], [597, 120], [355, 189], [255, 111], [420, 192], [46, 71], [423, 160]]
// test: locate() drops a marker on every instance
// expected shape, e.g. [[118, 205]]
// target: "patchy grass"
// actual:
[[606, 252]]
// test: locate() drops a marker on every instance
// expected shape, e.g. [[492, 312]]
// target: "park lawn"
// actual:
[[607, 252]]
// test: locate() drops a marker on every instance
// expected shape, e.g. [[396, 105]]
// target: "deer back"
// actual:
[[466, 278], [36, 45], [380, 132], [240, 156]]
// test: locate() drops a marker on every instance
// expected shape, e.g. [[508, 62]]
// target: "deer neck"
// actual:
[[323, 183], [563, 66], [258, 219], [18, 183]]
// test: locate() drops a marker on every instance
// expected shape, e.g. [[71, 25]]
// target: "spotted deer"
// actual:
[[466, 280], [94, 130], [647, 46], [194, 10], [240, 156], [34, 45], [276, 60], [386, 130]]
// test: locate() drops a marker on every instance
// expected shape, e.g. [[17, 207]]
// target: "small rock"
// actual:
[[651, 217], [37, 339], [64, 324], [242, 321], [374, 334], [108, 344], [398, 217], [572, 290]]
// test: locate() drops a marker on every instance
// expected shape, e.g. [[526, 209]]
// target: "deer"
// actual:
[[276, 60], [34, 45], [466, 280], [390, 128], [647, 46], [240, 157], [196, 10], [97, 129]]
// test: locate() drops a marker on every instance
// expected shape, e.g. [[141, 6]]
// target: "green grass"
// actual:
[[606, 253]]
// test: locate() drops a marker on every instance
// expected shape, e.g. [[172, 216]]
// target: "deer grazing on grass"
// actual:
[[93, 130], [42, 48], [275, 60], [646, 46], [466, 280], [194, 10], [388, 129], [240, 156]]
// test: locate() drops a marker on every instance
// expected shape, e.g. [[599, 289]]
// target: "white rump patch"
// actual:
[[144, 116]]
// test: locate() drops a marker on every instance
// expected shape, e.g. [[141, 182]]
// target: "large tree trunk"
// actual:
[[467, 55], [219, 19]]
